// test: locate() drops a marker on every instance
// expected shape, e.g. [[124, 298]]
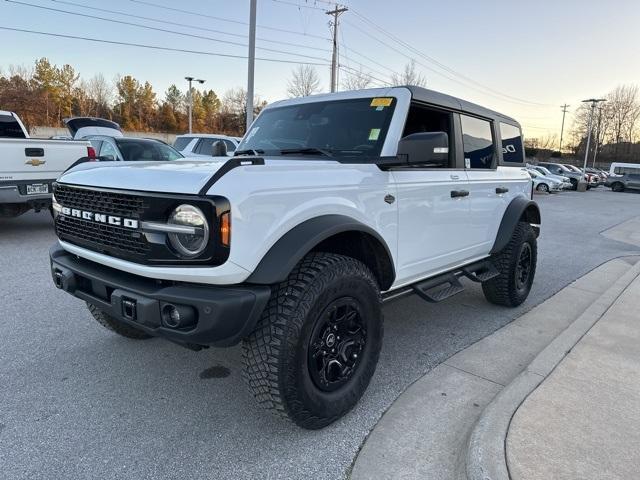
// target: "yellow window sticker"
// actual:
[[381, 102], [374, 134]]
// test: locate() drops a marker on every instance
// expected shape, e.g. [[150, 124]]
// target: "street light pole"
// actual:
[[190, 98], [594, 102], [564, 112], [252, 63]]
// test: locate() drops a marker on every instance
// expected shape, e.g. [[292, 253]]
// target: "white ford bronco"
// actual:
[[332, 205]]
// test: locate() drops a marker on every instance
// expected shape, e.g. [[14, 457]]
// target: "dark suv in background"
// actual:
[[620, 183], [559, 169]]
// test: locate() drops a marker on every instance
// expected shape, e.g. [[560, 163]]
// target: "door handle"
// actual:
[[459, 193], [502, 190]]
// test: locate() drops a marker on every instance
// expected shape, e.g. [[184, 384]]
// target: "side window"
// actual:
[[512, 151], [205, 146], [477, 138], [108, 150], [422, 119]]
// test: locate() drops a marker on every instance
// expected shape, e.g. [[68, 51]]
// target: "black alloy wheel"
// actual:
[[336, 344]]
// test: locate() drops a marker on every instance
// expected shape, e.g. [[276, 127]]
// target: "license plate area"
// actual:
[[37, 189]]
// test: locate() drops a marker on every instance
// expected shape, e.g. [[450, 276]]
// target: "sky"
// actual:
[[521, 58]]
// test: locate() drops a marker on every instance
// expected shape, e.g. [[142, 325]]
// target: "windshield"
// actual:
[[342, 128], [575, 169], [146, 150], [543, 171]]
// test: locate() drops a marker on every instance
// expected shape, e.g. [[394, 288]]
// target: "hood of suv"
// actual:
[[178, 176]]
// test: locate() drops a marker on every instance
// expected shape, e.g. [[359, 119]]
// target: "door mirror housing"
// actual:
[[430, 149], [219, 149]]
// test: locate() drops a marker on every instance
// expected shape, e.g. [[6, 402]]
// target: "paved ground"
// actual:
[[583, 420], [79, 402]]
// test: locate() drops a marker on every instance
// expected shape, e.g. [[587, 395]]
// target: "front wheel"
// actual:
[[517, 266], [617, 187], [313, 352]]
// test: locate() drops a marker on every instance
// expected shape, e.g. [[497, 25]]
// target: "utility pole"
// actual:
[[564, 112], [190, 96], [334, 57], [594, 102], [252, 63]]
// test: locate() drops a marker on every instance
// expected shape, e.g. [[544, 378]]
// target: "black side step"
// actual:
[[445, 285], [480, 271], [439, 288]]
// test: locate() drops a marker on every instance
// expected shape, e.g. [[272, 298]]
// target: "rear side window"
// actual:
[[181, 143], [477, 138], [512, 147], [10, 128], [205, 145]]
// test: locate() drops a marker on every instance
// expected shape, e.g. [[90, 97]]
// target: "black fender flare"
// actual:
[[283, 256], [518, 208]]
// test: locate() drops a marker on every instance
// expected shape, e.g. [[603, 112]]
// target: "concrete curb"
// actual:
[[486, 452]]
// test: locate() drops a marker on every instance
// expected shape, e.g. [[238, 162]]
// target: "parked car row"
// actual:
[[30, 166], [568, 175]]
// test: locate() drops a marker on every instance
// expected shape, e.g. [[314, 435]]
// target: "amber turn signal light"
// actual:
[[225, 228]]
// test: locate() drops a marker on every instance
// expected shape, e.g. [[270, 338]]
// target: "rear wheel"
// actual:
[[115, 325], [517, 266], [617, 187], [313, 352]]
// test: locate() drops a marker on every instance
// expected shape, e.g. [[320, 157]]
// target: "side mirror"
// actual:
[[426, 148], [219, 149]]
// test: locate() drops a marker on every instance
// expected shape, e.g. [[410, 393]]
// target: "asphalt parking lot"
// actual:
[[79, 402]]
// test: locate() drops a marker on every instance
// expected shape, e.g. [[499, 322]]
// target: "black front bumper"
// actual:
[[212, 315]]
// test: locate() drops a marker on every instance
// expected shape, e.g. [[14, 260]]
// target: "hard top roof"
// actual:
[[436, 98]]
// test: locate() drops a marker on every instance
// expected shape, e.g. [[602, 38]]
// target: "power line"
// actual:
[[310, 7], [164, 30], [404, 44], [200, 14], [157, 47], [178, 24]]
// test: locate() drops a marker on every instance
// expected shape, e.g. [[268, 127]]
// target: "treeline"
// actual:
[[47, 93]]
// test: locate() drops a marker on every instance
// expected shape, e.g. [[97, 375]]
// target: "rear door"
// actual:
[[487, 203]]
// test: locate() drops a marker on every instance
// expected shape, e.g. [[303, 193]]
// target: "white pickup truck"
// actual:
[[331, 205], [29, 166]]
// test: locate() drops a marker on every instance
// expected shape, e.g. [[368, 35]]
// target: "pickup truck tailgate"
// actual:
[[33, 159]]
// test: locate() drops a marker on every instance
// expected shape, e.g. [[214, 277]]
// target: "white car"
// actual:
[[544, 184], [201, 144], [331, 205]]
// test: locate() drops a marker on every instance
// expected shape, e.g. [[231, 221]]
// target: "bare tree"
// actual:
[[304, 82], [410, 76], [101, 91], [357, 80]]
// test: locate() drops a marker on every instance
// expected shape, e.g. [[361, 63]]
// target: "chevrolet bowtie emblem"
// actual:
[[34, 162]]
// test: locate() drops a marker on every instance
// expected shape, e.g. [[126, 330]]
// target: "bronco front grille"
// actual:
[[112, 203], [110, 239]]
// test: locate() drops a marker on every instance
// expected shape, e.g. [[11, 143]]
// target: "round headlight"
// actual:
[[192, 239]]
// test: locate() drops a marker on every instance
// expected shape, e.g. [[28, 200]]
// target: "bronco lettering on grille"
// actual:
[[100, 218]]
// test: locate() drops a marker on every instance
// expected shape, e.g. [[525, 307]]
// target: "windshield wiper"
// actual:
[[248, 151], [307, 151]]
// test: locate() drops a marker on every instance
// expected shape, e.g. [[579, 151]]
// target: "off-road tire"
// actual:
[[617, 187], [503, 289], [276, 354], [543, 187], [115, 325]]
